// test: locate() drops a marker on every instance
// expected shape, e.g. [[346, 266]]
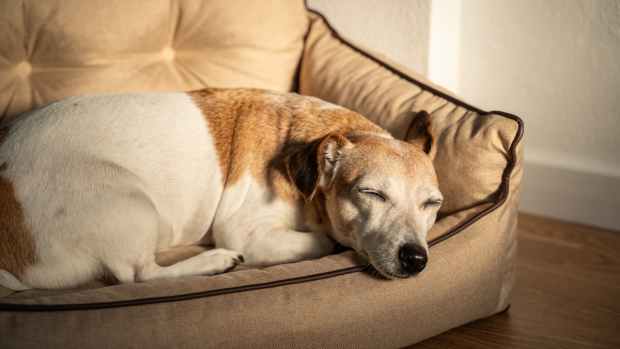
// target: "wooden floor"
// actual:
[[567, 293]]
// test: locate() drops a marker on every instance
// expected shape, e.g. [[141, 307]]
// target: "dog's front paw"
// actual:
[[221, 260]]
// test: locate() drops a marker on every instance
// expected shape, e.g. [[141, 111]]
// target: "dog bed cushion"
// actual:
[[335, 301]]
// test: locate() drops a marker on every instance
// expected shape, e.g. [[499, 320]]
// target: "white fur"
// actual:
[[264, 227], [107, 181], [9, 281]]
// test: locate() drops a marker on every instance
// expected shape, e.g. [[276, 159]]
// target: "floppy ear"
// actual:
[[314, 165], [419, 132]]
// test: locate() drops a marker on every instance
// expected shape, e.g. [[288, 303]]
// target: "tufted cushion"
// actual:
[[57, 48]]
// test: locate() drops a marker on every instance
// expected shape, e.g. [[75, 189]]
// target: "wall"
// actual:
[[557, 64], [553, 62], [397, 28]]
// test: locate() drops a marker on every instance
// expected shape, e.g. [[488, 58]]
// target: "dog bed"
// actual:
[[56, 49]]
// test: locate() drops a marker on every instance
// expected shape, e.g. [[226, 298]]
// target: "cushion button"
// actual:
[[168, 53], [23, 69]]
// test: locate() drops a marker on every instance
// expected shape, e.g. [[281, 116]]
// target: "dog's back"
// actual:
[[89, 166]]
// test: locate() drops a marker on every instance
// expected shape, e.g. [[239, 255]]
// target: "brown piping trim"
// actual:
[[394, 70], [181, 297], [504, 188], [505, 310], [503, 192]]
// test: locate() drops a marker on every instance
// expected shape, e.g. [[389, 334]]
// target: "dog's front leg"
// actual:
[[269, 247], [210, 262]]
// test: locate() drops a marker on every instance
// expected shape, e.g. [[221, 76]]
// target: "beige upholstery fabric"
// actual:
[[327, 302], [58, 48]]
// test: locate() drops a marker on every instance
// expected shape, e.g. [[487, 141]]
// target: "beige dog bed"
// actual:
[[55, 49]]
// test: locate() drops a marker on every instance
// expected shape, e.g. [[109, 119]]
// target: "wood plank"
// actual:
[[567, 293]]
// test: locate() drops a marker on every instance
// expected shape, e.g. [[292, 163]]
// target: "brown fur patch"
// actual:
[[256, 130], [17, 250]]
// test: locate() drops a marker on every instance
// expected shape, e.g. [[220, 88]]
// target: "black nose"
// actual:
[[412, 258]]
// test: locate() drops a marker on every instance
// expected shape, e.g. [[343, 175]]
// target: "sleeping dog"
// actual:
[[99, 184]]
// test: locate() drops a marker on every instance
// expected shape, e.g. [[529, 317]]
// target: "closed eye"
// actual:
[[432, 202], [374, 193]]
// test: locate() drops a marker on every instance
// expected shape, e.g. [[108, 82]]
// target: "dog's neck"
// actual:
[[253, 130]]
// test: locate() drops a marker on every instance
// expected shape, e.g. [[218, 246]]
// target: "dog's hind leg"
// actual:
[[210, 262], [132, 231]]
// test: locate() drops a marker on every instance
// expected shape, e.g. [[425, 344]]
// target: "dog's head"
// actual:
[[380, 195]]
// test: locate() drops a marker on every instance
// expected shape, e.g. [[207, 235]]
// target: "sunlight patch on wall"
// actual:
[[444, 43]]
